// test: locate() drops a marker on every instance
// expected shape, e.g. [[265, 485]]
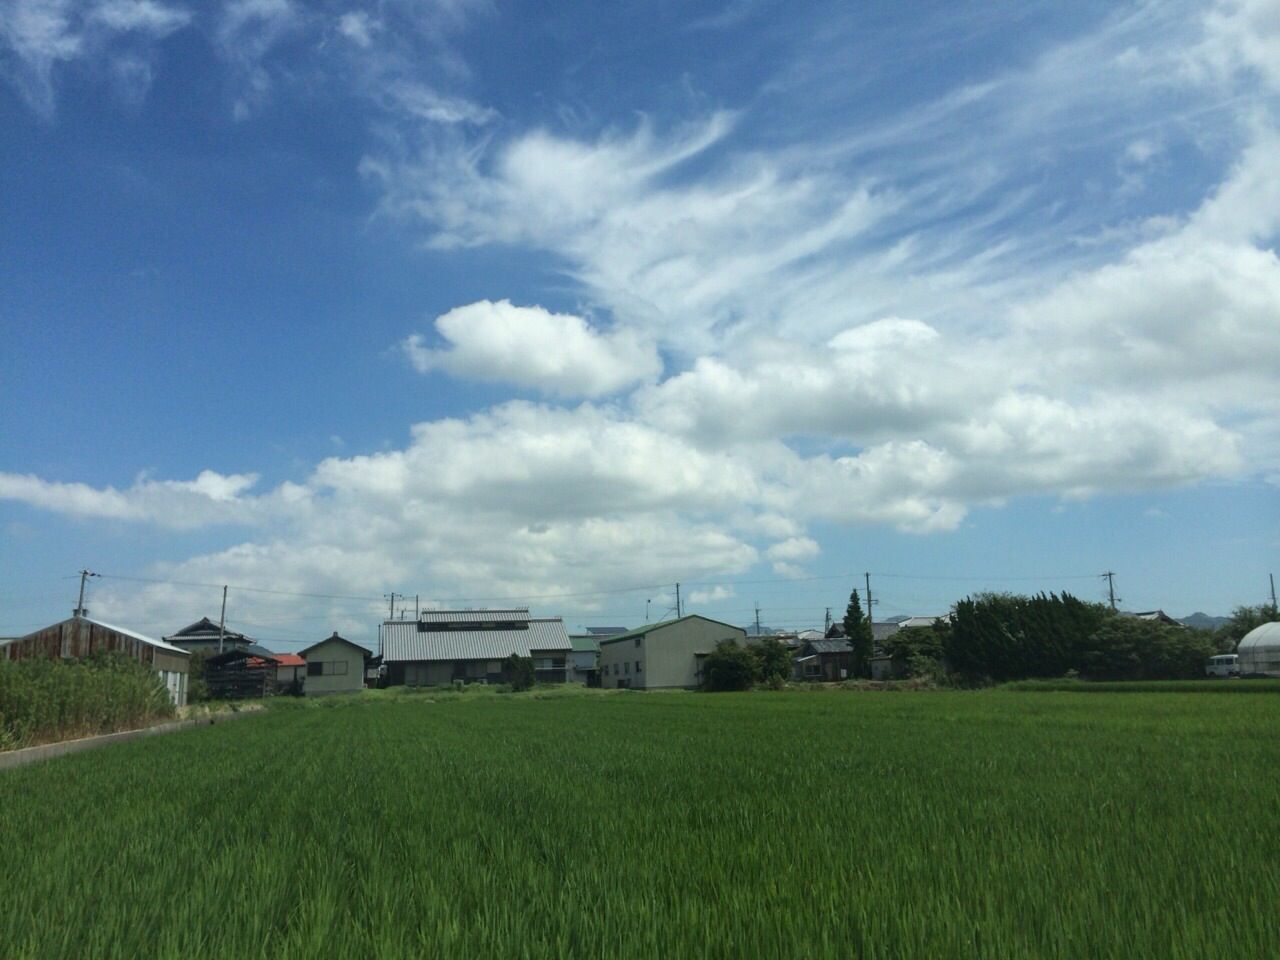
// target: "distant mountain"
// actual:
[[1202, 621]]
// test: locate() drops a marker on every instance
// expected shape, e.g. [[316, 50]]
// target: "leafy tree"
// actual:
[[519, 671], [1243, 619], [730, 667], [773, 660], [857, 628], [1126, 648], [920, 650]]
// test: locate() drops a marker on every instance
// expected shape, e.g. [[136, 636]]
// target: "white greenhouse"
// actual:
[[1260, 651]]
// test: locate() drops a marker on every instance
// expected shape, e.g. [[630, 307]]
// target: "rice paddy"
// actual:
[[966, 824]]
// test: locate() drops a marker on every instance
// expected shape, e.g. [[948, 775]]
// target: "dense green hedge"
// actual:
[[1146, 686], [42, 701]]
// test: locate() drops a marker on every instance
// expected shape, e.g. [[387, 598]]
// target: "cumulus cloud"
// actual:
[[534, 348], [208, 499]]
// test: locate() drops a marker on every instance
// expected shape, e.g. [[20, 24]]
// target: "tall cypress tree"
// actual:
[[857, 628]]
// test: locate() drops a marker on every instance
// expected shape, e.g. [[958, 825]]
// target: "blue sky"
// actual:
[[485, 300]]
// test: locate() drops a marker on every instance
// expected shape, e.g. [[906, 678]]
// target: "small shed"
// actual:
[[334, 665], [241, 674], [290, 669], [80, 637], [819, 660]]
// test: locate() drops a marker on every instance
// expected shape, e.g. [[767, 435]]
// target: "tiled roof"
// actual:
[[402, 641]]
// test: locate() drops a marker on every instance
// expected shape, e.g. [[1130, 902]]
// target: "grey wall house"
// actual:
[[334, 665], [79, 637], [663, 655], [471, 646]]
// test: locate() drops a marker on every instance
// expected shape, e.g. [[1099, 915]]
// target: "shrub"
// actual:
[[519, 671], [45, 700], [773, 660], [730, 667]]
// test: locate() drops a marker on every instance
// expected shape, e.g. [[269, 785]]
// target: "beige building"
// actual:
[[334, 665], [667, 654]]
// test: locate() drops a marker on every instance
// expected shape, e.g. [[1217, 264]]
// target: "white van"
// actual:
[[1223, 665]]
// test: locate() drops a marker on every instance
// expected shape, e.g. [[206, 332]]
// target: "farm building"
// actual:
[[666, 654], [1259, 651], [442, 646], [241, 673], [334, 665], [202, 637], [823, 660], [80, 637]]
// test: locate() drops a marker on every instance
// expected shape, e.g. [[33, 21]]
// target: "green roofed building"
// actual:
[[663, 655]]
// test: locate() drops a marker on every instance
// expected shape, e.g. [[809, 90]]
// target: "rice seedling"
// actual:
[[952, 824]]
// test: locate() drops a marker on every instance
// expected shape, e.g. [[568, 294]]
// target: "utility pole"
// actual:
[[1273, 593], [222, 620], [678, 613], [870, 616], [826, 626], [757, 618], [1110, 577], [417, 612], [391, 615], [86, 574], [646, 609]]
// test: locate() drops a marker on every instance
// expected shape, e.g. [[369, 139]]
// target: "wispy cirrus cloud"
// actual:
[[37, 37]]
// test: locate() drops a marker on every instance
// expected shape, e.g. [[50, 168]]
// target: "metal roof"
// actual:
[[829, 646], [583, 644], [160, 644], [662, 624], [471, 616], [402, 641]]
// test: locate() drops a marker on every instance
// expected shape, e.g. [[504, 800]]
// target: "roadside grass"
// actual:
[[1251, 685], [956, 825]]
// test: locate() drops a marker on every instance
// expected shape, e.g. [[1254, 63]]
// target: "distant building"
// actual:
[[202, 637], [1155, 616], [334, 665], [241, 673], [472, 646], [80, 637], [290, 669], [667, 654], [823, 660], [584, 656]]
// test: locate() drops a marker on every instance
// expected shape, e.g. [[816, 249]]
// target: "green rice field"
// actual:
[[993, 824]]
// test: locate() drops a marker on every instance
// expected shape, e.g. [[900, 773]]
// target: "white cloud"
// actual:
[[246, 33], [358, 27], [795, 548], [36, 36], [534, 348], [210, 498], [713, 594]]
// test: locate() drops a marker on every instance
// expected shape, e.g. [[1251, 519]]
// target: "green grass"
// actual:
[[990, 824], [1223, 685]]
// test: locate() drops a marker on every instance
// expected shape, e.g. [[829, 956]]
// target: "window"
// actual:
[[637, 666], [626, 667], [326, 668], [637, 641]]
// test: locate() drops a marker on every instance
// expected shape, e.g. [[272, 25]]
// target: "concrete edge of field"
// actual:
[[46, 751]]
